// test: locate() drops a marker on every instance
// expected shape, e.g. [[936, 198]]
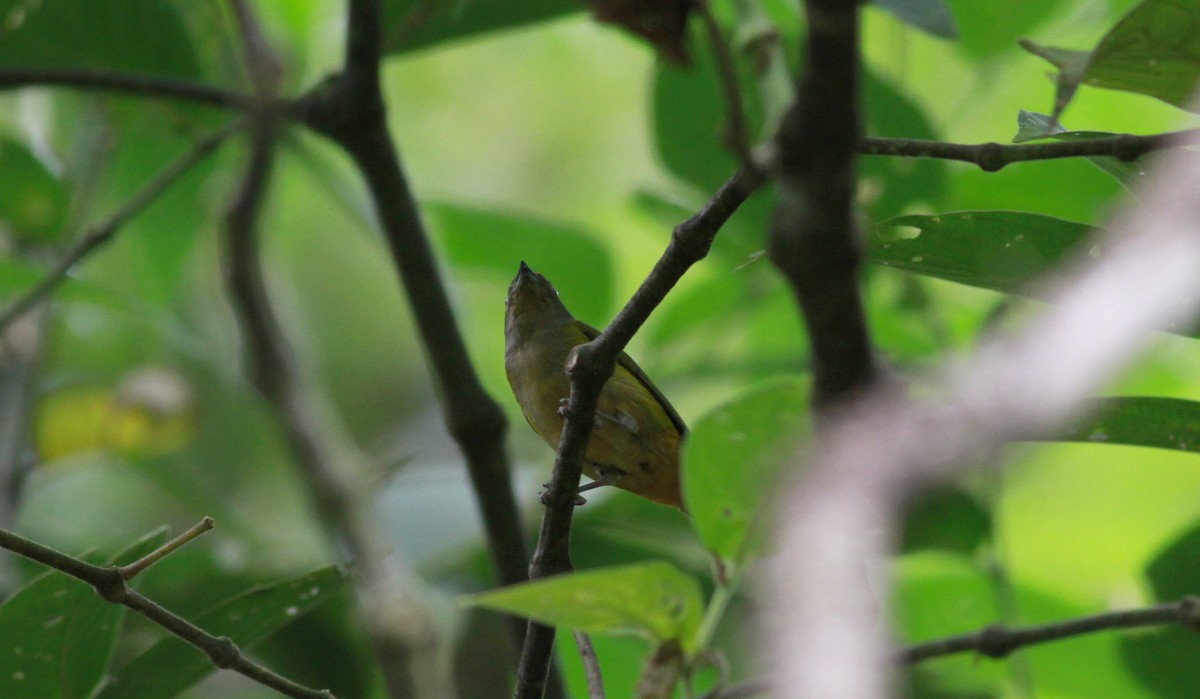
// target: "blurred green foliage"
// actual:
[[531, 133]]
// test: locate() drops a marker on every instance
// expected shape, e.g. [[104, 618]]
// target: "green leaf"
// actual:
[[1032, 126], [172, 665], [18, 277], [935, 595], [573, 259], [889, 186], [946, 518], [1154, 50], [1072, 65], [33, 203], [59, 634], [654, 600], [998, 250], [409, 25], [732, 460], [127, 35], [1175, 571], [148, 255], [1163, 423], [932, 16], [1164, 660], [990, 29]]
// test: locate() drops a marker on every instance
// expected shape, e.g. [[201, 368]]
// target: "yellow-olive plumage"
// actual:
[[635, 441]]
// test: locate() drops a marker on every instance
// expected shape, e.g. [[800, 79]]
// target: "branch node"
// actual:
[[1128, 147], [110, 586], [991, 157], [224, 653], [995, 641], [1189, 612]]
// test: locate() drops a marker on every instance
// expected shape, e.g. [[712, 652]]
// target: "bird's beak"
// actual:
[[524, 274]]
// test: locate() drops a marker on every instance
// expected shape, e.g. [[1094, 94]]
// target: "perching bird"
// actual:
[[635, 441]]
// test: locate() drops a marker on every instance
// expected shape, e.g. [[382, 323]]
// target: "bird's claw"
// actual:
[[544, 496], [562, 413]]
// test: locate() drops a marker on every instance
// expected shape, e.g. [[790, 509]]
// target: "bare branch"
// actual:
[[843, 512], [998, 641], [140, 85], [107, 229], [814, 240], [111, 585], [591, 665], [992, 156]]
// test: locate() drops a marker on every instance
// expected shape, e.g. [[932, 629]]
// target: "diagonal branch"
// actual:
[[590, 367], [112, 585], [127, 83], [107, 229]]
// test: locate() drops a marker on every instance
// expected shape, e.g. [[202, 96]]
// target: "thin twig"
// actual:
[[129, 572], [737, 130], [591, 366], [992, 156], [591, 665], [112, 586], [141, 85], [998, 641], [107, 229]]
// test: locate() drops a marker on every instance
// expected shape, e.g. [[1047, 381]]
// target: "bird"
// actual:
[[635, 442]]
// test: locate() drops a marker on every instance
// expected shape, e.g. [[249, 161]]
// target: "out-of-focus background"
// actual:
[[566, 144]]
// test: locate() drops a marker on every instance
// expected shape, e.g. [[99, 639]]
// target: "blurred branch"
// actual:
[[112, 585], [349, 109], [401, 634], [22, 348], [737, 131], [814, 241], [843, 511], [107, 229], [261, 62], [990, 157], [591, 665], [998, 641], [590, 366], [110, 81]]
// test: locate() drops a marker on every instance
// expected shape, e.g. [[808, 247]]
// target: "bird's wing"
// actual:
[[631, 366]]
